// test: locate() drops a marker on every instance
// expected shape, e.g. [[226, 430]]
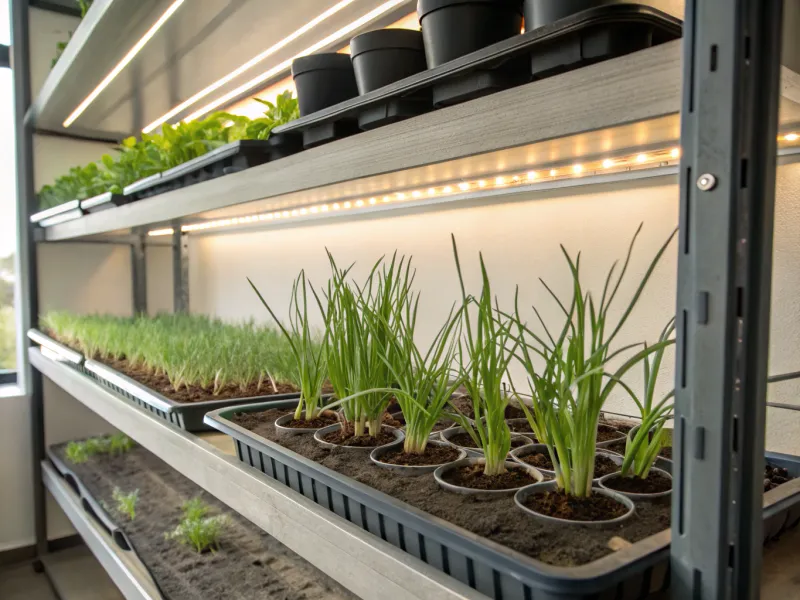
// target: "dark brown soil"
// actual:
[[618, 424], [618, 447], [539, 460], [518, 442], [433, 455], [562, 506], [471, 476], [523, 427], [345, 437], [666, 452], [462, 439], [774, 476], [160, 383], [316, 423], [604, 465], [464, 405], [249, 564], [394, 419], [497, 519], [654, 484], [606, 433]]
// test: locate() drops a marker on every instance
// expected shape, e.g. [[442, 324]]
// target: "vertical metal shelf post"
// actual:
[[728, 136], [29, 379]]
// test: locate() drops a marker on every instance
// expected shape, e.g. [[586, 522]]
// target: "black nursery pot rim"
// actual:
[[323, 60], [386, 39], [425, 7]]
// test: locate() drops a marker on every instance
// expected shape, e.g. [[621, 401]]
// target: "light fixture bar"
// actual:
[[285, 65], [249, 64], [122, 64]]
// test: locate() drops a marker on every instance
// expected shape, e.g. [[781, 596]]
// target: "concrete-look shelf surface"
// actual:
[[124, 569], [617, 106], [364, 564]]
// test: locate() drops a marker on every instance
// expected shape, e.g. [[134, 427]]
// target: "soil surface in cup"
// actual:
[[497, 519], [655, 483], [606, 433], [433, 455], [345, 437], [541, 460], [666, 452], [248, 563], [522, 427], [775, 476], [562, 506], [464, 406], [396, 419], [618, 447], [316, 423], [619, 425], [473, 477]]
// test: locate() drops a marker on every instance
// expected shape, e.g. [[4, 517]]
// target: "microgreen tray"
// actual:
[[188, 415], [56, 350], [58, 214], [586, 37], [634, 573]]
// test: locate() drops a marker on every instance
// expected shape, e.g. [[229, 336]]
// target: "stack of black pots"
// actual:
[[450, 29]]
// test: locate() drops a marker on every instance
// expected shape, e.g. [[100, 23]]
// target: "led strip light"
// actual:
[[286, 65], [249, 64], [122, 64], [627, 163]]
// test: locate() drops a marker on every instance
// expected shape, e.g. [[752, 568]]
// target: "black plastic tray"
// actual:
[[90, 505], [583, 38], [498, 572], [104, 201], [188, 416], [224, 160]]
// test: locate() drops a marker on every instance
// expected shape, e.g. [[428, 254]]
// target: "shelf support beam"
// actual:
[[180, 270], [729, 129], [139, 274]]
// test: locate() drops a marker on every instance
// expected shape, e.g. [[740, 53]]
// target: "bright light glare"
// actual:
[[249, 64], [791, 137], [122, 64]]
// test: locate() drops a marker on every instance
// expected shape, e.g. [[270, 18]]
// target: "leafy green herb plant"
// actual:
[[126, 503], [80, 452]]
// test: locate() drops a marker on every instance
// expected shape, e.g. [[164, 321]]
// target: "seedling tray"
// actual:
[[56, 350], [58, 214], [188, 416], [634, 573], [104, 201], [90, 505], [583, 38], [227, 159]]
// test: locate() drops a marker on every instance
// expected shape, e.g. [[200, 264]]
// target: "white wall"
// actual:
[[520, 241]]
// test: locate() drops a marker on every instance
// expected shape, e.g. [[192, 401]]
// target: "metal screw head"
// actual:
[[706, 182]]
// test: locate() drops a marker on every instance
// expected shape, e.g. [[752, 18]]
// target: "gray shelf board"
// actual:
[[202, 42], [621, 104], [364, 564], [124, 569]]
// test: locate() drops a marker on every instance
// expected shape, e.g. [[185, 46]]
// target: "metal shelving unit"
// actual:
[[733, 89]]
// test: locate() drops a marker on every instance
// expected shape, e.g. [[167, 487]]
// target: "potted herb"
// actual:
[[579, 383], [484, 357], [637, 477]]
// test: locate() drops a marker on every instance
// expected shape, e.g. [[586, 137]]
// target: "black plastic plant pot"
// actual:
[[323, 80], [539, 13], [453, 28], [384, 56]]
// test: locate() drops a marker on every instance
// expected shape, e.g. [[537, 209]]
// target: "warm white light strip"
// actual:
[[285, 65], [249, 64], [122, 64]]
